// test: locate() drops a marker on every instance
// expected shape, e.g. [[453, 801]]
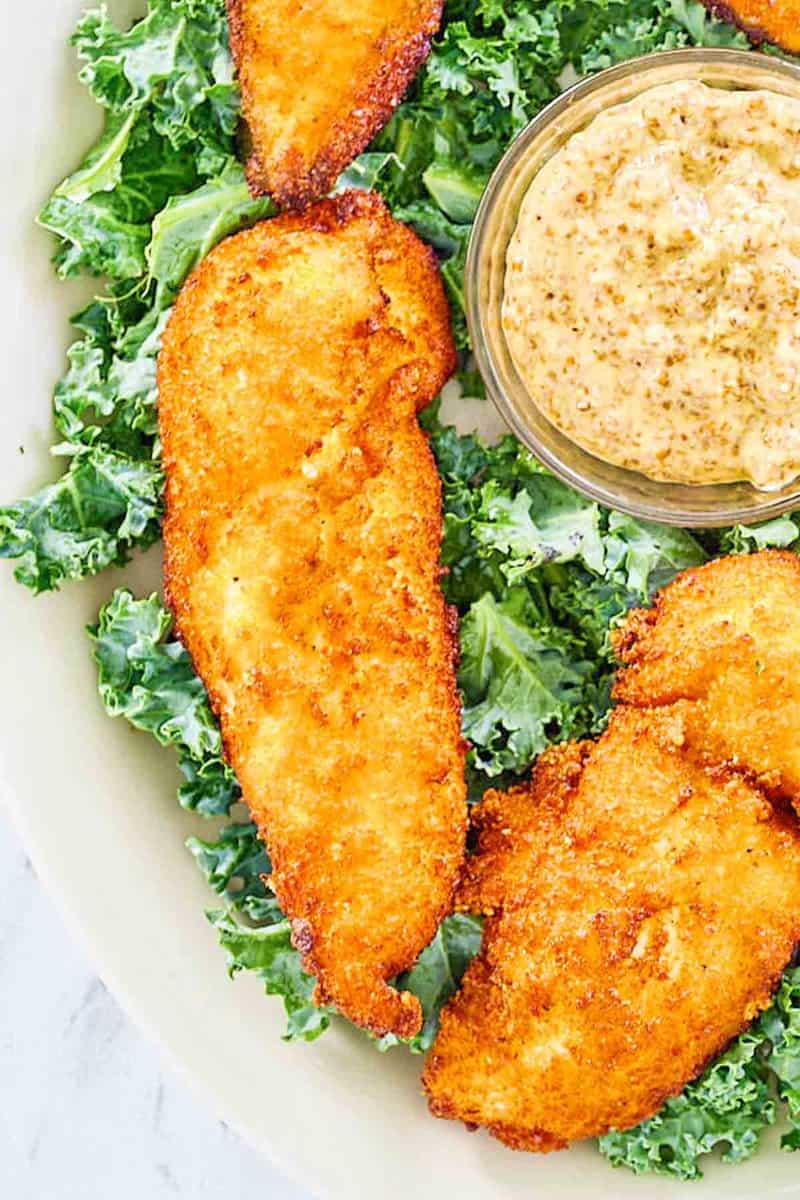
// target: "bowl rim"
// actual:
[[716, 515]]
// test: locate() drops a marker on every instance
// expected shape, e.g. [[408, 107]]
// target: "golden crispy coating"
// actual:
[[302, 563], [775, 21], [509, 842], [722, 644], [641, 917], [318, 80]]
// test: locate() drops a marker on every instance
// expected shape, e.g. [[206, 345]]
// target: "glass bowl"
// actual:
[[672, 503]]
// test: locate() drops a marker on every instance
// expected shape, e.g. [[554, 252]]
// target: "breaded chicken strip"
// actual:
[[723, 641], [775, 21], [642, 912], [318, 80], [302, 563]]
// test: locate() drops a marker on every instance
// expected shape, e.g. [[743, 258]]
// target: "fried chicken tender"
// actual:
[[318, 80], [722, 645], [775, 21], [640, 914], [302, 543]]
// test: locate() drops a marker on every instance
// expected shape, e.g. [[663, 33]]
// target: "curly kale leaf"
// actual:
[[644, 26], [744, 539], [108, 395], [729, 1105], [174, 65], [150, 681], [237, 867], [89, 519], [524, 683], [780, 1026], [101, 214], [268, 952], [539, 575], [109, 500]]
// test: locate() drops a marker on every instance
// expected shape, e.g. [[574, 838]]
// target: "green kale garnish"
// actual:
[[158, 190], [539, 575]]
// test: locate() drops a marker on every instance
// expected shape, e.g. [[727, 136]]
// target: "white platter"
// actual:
[[95, 802]]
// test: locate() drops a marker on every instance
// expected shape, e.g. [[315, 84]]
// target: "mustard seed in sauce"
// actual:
[[654, 316]]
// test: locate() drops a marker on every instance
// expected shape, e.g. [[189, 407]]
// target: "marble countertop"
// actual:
[[88, 1108]]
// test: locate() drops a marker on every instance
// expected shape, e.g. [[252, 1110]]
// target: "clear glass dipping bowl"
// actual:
[[617, 487]]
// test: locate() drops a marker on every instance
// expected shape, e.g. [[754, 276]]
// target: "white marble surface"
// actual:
[[88, 1110]]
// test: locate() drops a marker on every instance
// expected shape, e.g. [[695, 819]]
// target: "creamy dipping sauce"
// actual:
[[652, 288]]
